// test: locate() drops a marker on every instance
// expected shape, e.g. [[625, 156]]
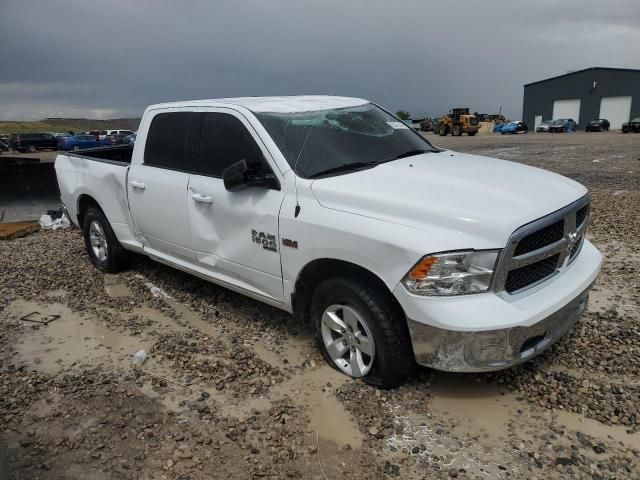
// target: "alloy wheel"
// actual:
[[348, 340]]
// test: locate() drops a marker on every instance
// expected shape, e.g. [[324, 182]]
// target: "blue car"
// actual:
[[80, 142], [498, 127], [514, 127]]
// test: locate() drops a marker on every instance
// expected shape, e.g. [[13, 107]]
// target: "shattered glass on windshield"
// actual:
[[314, 142]]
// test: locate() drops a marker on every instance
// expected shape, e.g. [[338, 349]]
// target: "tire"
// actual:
[[456, 131], [104, 249], [442, 131], [373, 314], [31, 148], [75, 148]]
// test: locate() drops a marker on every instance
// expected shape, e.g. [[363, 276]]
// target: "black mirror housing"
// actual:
[[234, 176], [239, 176]]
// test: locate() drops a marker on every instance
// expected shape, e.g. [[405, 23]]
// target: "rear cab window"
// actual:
[[168, 144]]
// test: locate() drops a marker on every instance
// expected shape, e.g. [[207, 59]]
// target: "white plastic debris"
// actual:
[[139, 358], [47, 223]]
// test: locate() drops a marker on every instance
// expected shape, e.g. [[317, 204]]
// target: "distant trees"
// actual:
[[403, 115]]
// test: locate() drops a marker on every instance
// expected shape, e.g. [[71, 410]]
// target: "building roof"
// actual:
[[583, 70], [291, 104]]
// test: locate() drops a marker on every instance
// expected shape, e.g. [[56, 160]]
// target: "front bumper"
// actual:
[[491, 331]]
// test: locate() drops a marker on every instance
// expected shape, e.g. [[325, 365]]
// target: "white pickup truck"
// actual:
[[331, 208]]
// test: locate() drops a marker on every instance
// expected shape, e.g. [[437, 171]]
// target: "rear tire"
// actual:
[[75, 148], [31, 148], [104, 249], [352, 318], [457, 131]]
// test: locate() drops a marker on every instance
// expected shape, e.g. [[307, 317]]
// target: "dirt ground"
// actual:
[[234, 389]]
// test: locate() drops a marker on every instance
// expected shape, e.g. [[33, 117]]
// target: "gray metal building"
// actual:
[[584, 95]]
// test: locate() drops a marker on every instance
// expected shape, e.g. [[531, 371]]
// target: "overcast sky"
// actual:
[[112, 58]]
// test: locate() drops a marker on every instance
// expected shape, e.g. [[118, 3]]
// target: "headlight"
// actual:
[[455, 273]]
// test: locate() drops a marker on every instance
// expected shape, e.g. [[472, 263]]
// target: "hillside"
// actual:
[[68, 124]]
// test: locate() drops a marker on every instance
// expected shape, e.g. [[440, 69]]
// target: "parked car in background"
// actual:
[[118, 132], [514, 127], [130, 139], [99, 134], [80, 142], [544, 126], [498, 127], [30, 142], [116, 139], [598, 125], [632, 126], [563, 125]]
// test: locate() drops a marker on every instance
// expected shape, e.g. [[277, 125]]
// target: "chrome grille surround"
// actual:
[[566, 248]]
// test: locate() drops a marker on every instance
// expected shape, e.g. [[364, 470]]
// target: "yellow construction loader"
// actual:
[[457, 122]]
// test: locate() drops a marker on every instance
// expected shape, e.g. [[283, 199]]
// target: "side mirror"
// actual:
[[239, 176], [234, 176]]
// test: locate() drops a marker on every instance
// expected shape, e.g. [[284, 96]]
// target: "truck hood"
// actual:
[[468, 194]]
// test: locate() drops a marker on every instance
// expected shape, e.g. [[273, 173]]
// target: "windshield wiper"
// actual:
[[345, 167], [410, 153], [362, 165]]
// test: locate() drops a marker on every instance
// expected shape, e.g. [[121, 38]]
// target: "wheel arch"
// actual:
[[321, 269], [84, 202]]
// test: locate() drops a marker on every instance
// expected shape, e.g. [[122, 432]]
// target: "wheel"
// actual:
[[75, 148], [456, 131], [361, 332], [104, 249], [443, 130], [471, 134], [31, 148]]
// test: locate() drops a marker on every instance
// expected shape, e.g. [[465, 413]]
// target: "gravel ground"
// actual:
[[235, 389]]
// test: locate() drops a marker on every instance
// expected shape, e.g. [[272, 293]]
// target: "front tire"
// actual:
[[104, 249], [361, 332], [31, 148]]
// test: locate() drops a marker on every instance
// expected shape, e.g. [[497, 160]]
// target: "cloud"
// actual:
[[117, 57]]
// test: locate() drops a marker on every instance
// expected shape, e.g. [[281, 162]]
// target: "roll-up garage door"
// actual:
[[568, 108], [616, 110]]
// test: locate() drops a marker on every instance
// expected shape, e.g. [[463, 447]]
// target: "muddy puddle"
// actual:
[[114, 287], [578, 423], [75, 340], [70, 340], [468, 426]]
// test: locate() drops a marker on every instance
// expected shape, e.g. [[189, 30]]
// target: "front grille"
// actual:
[[541, 238], [528, 275], [581, 215], [538, 250], [576, 248]]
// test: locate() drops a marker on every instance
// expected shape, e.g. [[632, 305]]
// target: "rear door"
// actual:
[[235, 234], [157, 186]]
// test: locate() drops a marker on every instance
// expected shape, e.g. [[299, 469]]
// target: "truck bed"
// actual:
[[116, 154], [99, 175]]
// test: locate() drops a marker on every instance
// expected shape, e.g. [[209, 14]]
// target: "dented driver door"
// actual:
[[235, 234]]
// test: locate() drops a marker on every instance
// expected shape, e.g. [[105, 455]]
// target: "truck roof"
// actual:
[[287, 104]]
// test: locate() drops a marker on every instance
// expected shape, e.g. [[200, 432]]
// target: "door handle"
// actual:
[[135, 184], [198, 197]]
